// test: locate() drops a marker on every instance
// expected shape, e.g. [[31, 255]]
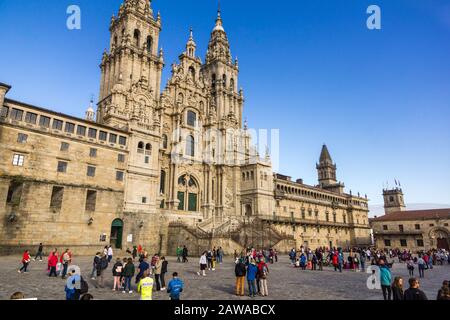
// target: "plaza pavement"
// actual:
[[285, 282]]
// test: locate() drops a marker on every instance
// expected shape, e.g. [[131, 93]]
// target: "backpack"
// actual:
[[84, 287]]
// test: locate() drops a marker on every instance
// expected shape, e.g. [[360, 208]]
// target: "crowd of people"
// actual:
[[251, 268]]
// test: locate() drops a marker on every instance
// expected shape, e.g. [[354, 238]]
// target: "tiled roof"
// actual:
[[415, 215]]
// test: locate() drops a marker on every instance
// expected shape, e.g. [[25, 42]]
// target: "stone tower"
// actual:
[[131, 71], [393, 200], [326, 170]]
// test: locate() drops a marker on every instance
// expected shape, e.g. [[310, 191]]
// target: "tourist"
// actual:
[[319, 256], [134, 253], [145, 286], [17, 296], [158, 269], [94, 265], [143, 266], [179, 253], [414, 293], [164, 269], [314, 261], [362, 260], [410, 266], [303, 261], [153, 263], [175, 287], [421, 263], [52, 263], [128, 274], [203, 264], [209, 259], [71, 289], [122, 279], [105, 251], [65, 260], [240, 272], [185, 254], [50, 256], [220, 255], [252, 271], [25, 261], [385, 279], [110, 253], [397, 289], [263, 271], [39, 252], [292, 256], [101, 268], [443, 293], [117, 274]]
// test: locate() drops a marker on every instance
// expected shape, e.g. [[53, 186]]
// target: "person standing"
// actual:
[[252, 271], [414, 293], [185, 254], [145, 286], [240, 273], [163, 273], [128, 274], [263, 271], [39, 252], [179, 254], [175, 287], [134, 253], [65, 260], [117, 274], [25, 262], [143, 266], [410, 267], [101, 267], [421, 263], [397, 289], [443, 292], [52, 262], [385, 279], [110, 254], [94, 265], [203, 263], [158, 269]]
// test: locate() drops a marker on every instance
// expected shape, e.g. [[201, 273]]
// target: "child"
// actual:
[[175, 287]]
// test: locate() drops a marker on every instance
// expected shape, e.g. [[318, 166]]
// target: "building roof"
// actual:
[[415, 215], [325, 155]]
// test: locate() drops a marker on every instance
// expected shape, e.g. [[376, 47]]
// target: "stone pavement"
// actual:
[[285, 282]]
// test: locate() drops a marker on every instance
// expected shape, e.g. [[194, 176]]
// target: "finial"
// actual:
[[245, 124], [191, 34]]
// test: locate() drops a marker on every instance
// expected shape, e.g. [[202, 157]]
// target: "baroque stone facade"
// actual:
[[160, 168], [415, 230]]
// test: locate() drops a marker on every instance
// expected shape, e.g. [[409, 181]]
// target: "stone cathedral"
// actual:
[[160, 168]]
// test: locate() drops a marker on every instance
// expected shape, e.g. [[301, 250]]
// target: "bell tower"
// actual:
[[393, 200], [133, 65]]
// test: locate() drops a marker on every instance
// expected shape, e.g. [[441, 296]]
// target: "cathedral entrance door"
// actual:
[[116, 233], [442, 243]]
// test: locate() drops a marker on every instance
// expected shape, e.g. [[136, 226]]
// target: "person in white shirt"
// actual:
[[110, 254], [203, 264]]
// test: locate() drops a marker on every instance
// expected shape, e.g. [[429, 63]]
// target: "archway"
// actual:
[[248, 210], [440, 237], [116, 233]]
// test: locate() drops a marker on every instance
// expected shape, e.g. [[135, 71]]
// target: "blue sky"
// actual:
[[379, 99]]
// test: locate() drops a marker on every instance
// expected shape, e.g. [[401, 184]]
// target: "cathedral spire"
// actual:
[[191, 45], [325, 156]]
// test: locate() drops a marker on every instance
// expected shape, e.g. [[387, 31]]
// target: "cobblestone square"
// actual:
[[285, 282]]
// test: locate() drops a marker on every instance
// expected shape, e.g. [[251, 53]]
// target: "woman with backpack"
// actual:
[[117, 274]]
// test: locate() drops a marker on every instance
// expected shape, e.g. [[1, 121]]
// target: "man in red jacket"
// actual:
[[25, 261], [52, 262]]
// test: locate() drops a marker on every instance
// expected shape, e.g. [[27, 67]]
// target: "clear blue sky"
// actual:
[[379, 99]]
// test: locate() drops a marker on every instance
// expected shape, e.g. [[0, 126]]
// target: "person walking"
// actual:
[[385, 279], [410, 267], [110, 254], [203, 264], [414, 293], [263, 271], [185, 254], [175, 287], [39, 252], [421, 263], [179, 254], [95, 262], [397, 289], [145, 286], [117, 274], [101, 268], [164, 268], [128, 274], [209, 258], [252, 271], [25, 261], [158, 269], [240, 272], [65, 260]]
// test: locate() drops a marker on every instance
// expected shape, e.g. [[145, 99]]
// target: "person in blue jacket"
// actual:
[[385, 279], [175, 287], [252, 270]]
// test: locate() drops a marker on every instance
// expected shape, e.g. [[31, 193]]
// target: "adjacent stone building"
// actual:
[[157, 167], [415, 230]]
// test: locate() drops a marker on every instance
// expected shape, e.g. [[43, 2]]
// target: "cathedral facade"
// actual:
[[160, 168]]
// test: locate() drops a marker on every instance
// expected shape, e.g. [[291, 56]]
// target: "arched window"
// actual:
[[187, 193], [165, 141], [191, 118], [140, 147], [149, 44], [243, 176], [137, 37], [148, 149], [162, 184], [213, 80], [232, 85], [224, 79], [192, 72], [190, 146]]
